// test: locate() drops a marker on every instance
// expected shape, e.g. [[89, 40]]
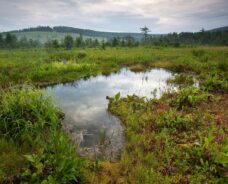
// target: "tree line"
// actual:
[[10, 41], [186, 38]]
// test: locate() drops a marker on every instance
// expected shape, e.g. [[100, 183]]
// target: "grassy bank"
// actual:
[[179, 138]]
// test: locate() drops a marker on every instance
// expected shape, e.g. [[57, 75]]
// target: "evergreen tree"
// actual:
[[103, 46], [79, 41], [10, 41], [145, 30], [1, 41], [68, 42], [114, 42], [130, 41]]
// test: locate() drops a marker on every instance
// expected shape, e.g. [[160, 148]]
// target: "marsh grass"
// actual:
[[33, 148], [41, 66], [179, 138]]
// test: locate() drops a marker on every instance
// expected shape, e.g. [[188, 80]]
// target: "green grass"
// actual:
[[42, 66], [33, 148], [179, 138]]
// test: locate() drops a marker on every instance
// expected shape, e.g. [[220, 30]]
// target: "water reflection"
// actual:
[[85, 106]]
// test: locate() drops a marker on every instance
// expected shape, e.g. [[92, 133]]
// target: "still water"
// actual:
[[96, 132]]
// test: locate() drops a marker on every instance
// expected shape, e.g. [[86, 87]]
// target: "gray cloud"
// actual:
[[161, 16]]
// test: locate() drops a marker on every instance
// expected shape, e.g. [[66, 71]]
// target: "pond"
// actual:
[[96, 132]]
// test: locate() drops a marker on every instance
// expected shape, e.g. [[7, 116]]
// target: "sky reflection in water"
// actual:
[[85, 106]]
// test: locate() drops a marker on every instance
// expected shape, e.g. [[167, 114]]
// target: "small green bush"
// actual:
[[214, 83], [187, 97], [173, 120]]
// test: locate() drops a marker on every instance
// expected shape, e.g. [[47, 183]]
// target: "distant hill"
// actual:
[[44, 36], [45, 33], [221, 29]]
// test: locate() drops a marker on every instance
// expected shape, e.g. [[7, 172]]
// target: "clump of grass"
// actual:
[[38, 150], [22, 116]]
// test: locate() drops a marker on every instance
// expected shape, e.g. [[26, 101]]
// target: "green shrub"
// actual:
[[214, 83], [174, 120], [187, 97]]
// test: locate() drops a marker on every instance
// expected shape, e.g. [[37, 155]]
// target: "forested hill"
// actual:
[[83, 32]]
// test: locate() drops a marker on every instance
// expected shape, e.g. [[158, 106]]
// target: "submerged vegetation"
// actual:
[[179, 138]]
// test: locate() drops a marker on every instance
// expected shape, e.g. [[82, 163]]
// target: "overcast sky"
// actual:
[[161, 16]]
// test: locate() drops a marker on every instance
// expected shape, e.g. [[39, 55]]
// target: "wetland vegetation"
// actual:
[[180, 137]]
